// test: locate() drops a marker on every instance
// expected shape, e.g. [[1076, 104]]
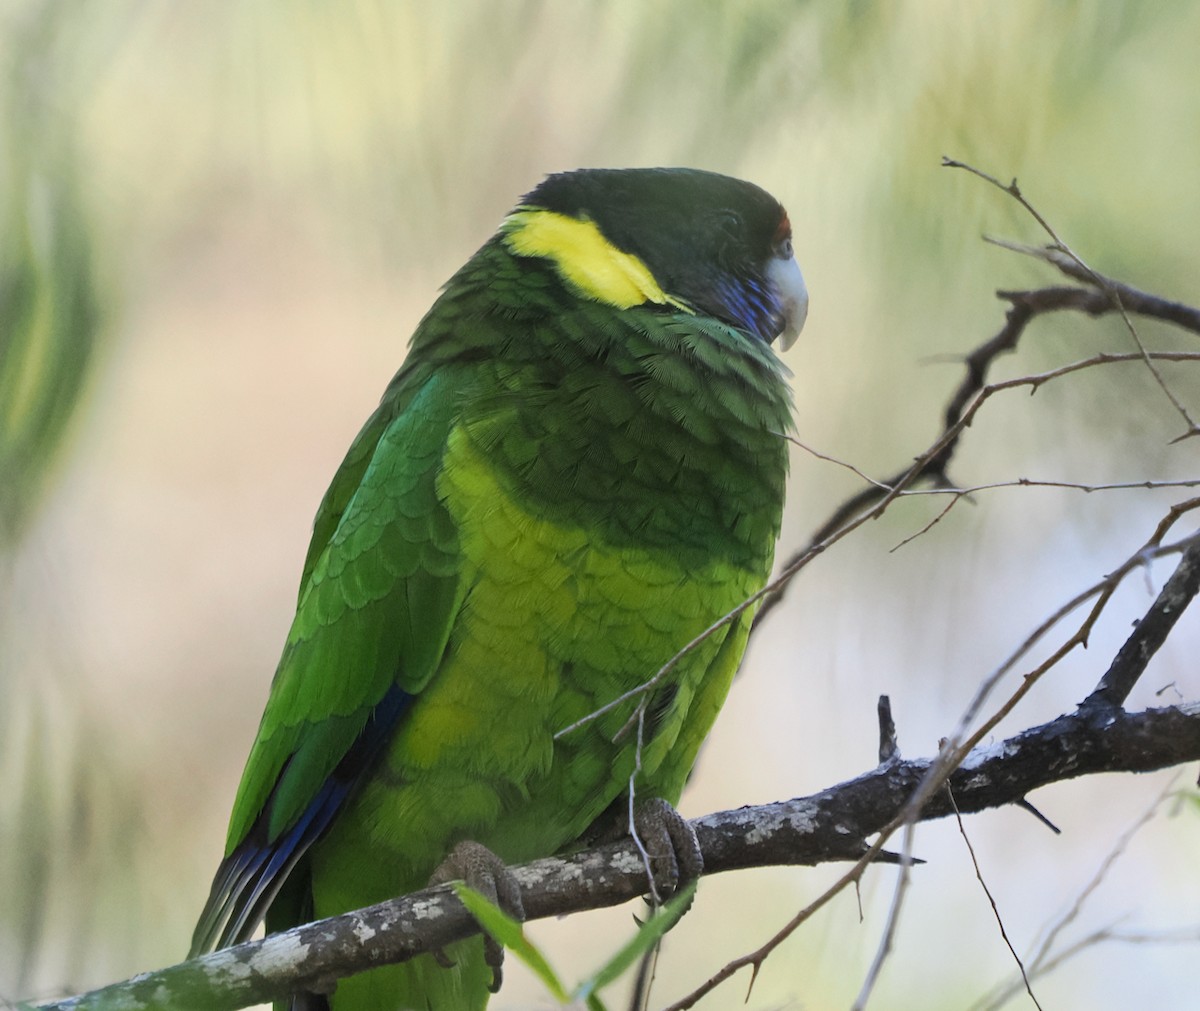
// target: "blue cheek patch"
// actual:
[[752, 306]]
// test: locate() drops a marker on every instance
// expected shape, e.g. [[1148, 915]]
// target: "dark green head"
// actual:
[[711, 243]]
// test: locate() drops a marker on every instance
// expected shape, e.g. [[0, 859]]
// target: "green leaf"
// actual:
[[510, 933], [647, 936]]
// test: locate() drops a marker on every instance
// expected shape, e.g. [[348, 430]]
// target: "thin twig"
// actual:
[[1030, 482], [1041, 962], [962, 830], [1113, 855], [931, 465], [655, 902], [1091, 277], [958, 494], [1097, 303], [888, 934], [841, 463]]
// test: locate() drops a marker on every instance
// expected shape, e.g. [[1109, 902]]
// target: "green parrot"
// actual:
[[579, 467]]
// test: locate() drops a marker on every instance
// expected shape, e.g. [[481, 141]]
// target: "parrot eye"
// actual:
[[782, 240], [730, 222]]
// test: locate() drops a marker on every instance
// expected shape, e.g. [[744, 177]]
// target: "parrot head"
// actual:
[[696, 240]]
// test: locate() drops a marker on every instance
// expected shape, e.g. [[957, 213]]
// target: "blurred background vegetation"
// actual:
[[220, 222]]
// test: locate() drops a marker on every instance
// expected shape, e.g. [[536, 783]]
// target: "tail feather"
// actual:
[[250, 877]]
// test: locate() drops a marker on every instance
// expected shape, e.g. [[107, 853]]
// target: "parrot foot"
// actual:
[[486, 873], [662, 835], [669, 845]]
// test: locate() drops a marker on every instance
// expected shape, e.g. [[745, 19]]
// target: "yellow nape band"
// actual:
[[585, 258]]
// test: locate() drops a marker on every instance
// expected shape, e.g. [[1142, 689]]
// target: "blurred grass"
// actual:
[[50, 325], [49, 305], [182, 183]]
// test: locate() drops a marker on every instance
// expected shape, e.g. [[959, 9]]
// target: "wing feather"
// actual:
[[379, 595]]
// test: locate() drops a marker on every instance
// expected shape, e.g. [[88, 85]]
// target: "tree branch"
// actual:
[[831, 825], [1096, 300], [1151, 632]]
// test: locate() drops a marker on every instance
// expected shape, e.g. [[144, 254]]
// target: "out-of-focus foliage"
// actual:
[[259, 199], [49, 329], [49, 311]]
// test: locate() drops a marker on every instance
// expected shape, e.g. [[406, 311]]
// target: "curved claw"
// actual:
[[487, 874]]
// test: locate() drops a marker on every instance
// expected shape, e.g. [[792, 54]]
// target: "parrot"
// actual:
[[578, 469]]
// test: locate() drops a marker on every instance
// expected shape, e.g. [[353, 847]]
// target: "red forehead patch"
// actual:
[[783, 230]]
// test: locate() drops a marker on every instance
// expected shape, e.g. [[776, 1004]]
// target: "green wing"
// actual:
[[379, 595]]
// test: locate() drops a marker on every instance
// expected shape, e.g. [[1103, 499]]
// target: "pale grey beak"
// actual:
[[793, 297]]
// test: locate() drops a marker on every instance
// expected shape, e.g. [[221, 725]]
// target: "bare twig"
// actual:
[[958, 494], [1060, 248], [1029, 482], [889, 747], [931, 465], [1110, 934], [885, 488], [1096, 302], [1043, 961], [992, 901], [888, 934], [1102, 591], [1014, 191], [631, 824], [1118, 849]]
